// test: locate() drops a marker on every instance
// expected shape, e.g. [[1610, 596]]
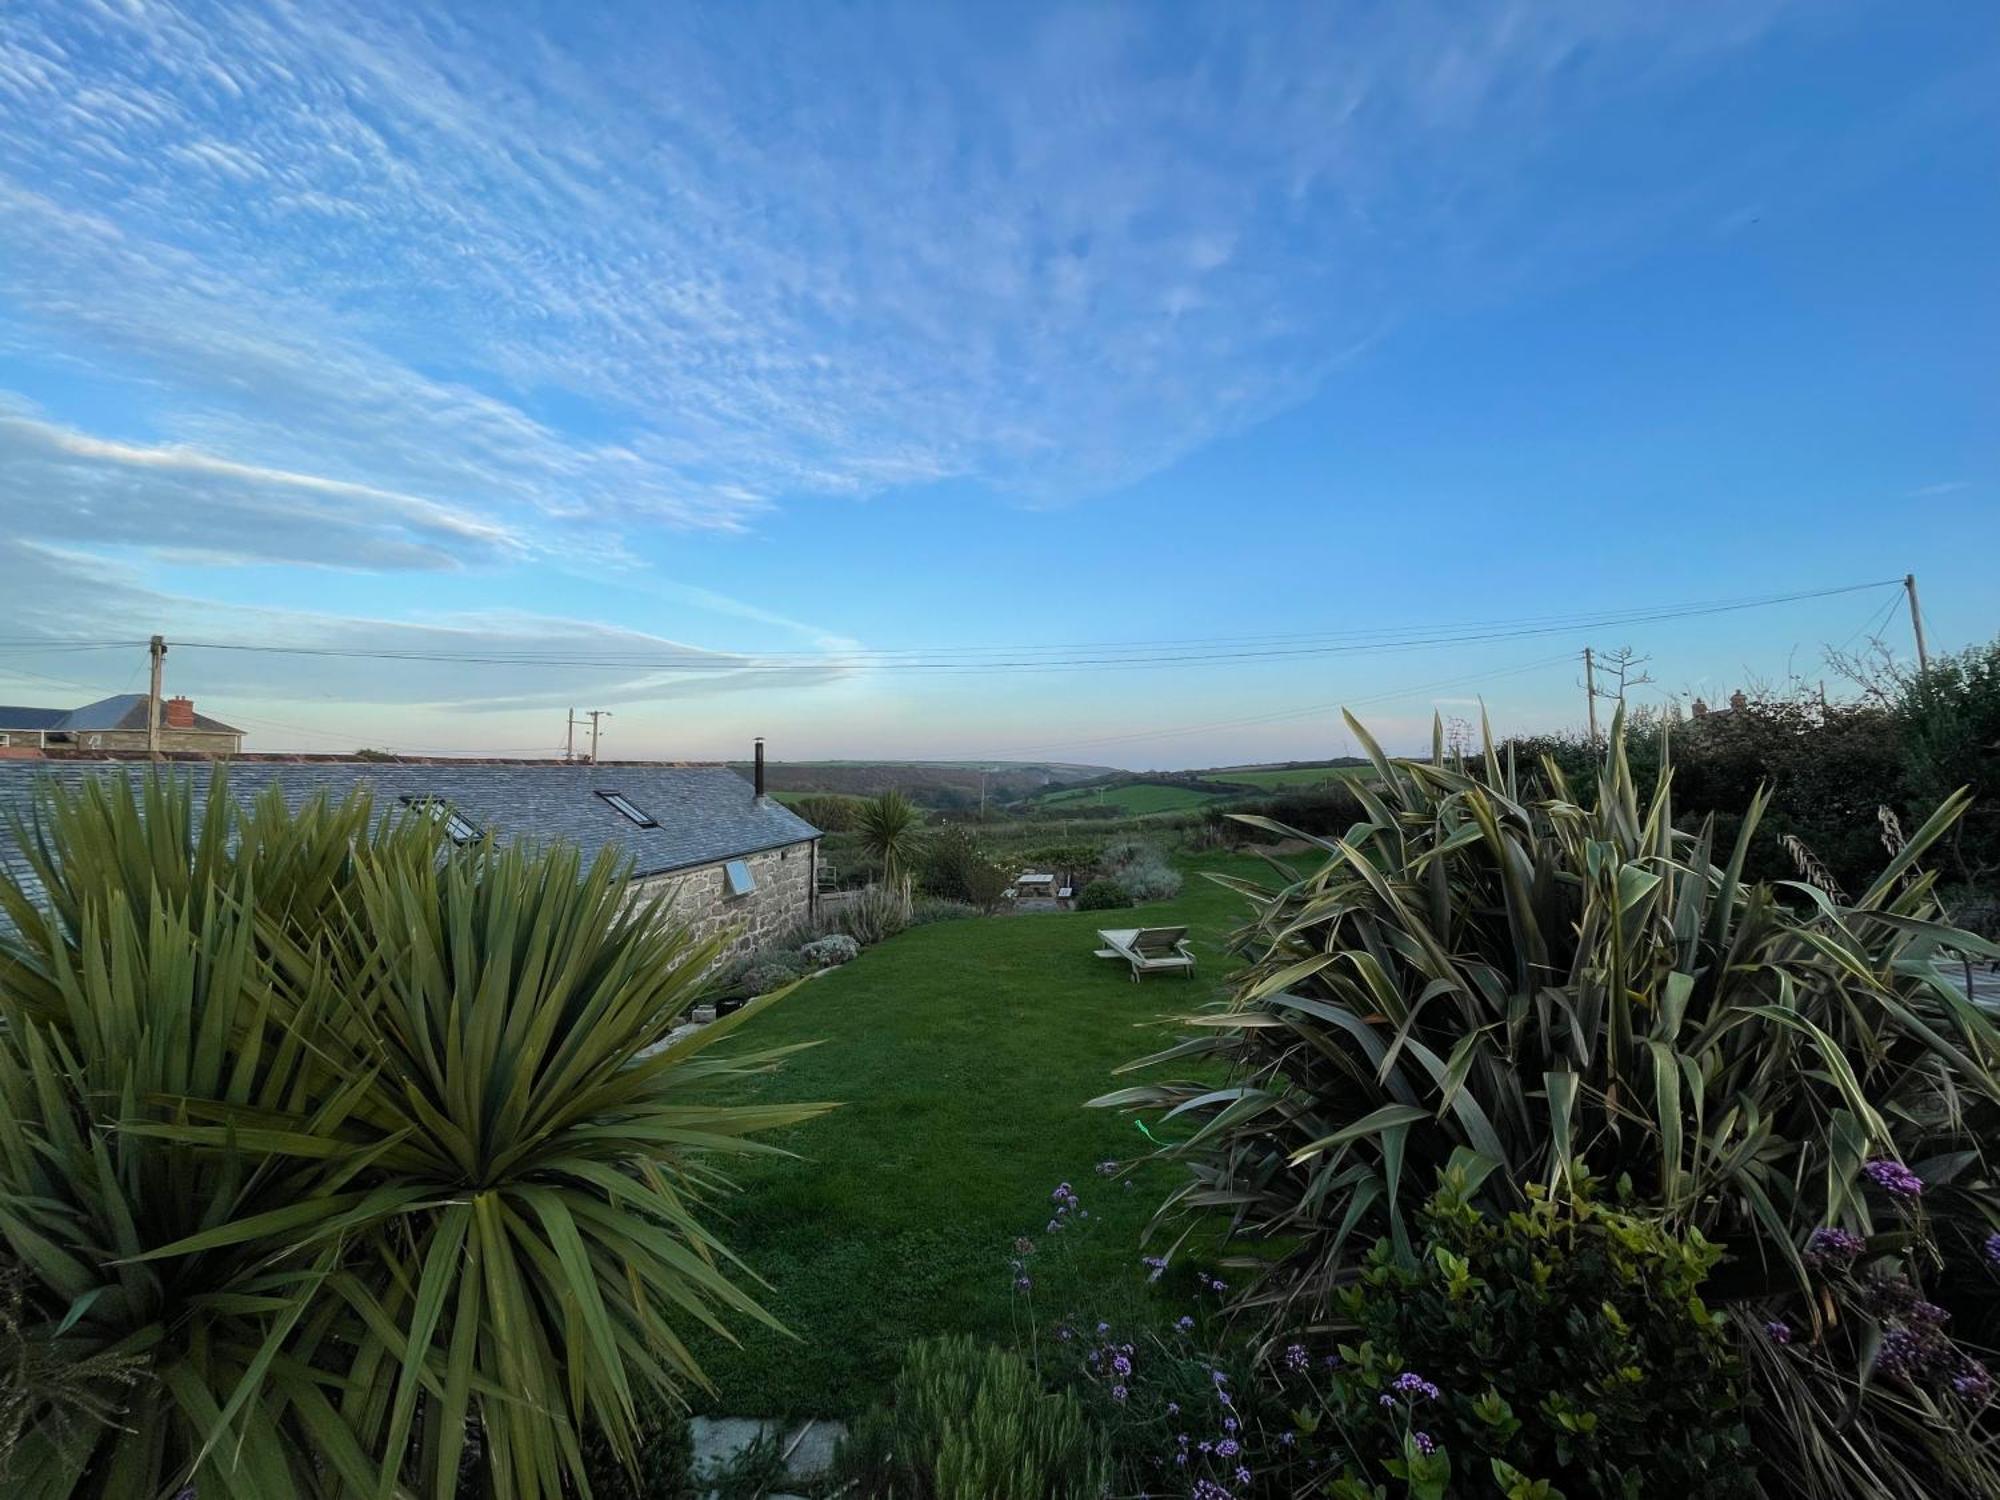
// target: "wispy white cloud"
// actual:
[[173, 498], [485, 661], [670, 266]]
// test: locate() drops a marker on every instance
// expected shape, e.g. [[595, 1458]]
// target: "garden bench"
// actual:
[[1149, 950]]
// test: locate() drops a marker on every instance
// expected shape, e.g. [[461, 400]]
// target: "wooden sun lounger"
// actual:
[[1149, 950]]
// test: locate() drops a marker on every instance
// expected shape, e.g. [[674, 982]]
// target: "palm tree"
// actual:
[[891, 828]]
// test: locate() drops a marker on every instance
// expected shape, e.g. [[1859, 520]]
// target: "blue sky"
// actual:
[[790, 335]]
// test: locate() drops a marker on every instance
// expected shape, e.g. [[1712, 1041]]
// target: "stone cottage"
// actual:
[[736, 861]]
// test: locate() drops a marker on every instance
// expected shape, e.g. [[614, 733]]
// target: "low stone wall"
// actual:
[[783, 898]]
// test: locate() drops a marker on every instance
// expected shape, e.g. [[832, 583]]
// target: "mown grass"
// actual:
[[964, 1052]]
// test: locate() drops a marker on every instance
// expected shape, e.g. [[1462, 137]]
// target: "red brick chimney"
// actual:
[[179, 713]]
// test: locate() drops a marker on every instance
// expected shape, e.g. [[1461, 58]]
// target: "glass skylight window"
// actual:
[[632, 812], [737, 879], [456, 826]]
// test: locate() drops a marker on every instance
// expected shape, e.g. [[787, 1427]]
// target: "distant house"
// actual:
[[735, 862], [117, 723]]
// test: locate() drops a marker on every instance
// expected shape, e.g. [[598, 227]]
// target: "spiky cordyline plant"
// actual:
[[362, 1145], [891, 828], [1512, 985]]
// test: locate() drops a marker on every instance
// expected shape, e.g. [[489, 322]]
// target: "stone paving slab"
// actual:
[[808, 1446]]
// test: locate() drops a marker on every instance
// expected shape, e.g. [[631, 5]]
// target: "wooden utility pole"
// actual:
[[1590, 690], [157, 649], [1917, 624], [595, 715]]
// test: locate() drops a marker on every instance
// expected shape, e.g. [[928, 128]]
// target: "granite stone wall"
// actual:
[[783, 898]]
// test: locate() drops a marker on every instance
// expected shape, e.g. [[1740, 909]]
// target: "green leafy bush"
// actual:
[[1564, 1344], [1518, 985], [829, 812], [967, 1421], [367, 1148], [951, 853], [1102, 895], [771, 972]]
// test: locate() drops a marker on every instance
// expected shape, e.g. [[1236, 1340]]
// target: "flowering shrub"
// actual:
[[1565, 1345], [829, 952], [1869, 1324], [1180, 1403]]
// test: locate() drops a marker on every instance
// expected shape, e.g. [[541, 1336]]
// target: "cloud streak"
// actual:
[[530, 661], [179, 499], [667, 268]]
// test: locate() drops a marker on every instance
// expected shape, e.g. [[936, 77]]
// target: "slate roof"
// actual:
[[705, 813], [12, 717], [119, 711]]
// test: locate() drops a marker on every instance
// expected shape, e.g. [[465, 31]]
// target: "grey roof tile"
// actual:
[[704, 813]]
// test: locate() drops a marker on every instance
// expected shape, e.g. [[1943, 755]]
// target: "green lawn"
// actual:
[[1136, 799], [964, 1052]]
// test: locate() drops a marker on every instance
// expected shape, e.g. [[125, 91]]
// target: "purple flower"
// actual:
[[1228, 1448], [1972, 1382], [1184, 1323], [1064, 1332], [1993, 1247], [1174, 1410], [1230, 1424], [1413, 1385], [1778, 1331], [1837, 1248], [1218, 1378], [1155, 1265], [1893, 1178], [1121, 1365], [1425, 1444], [1287, 1439], [1104, 1328], [1900, 1352], [1208, 1489], [1118, 1393], [1022, 1283], [1107, 1169], [1929, 1314], [1296, 1360], [1242, 1474], [1331, 1362]]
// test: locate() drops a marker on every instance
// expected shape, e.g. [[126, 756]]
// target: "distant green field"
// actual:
[[1134, 800], [1290, 776]]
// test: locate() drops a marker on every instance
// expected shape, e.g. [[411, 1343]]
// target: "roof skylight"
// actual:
[[458, 828], [631, 811]]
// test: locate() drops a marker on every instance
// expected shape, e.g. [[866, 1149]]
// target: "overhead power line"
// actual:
[[1022, 658]]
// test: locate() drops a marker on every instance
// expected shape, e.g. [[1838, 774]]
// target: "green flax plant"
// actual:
[[1486, 975], [372, 1153]]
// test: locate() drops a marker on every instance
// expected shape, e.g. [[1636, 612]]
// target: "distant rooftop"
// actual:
[[119, 711], [698, 814]]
